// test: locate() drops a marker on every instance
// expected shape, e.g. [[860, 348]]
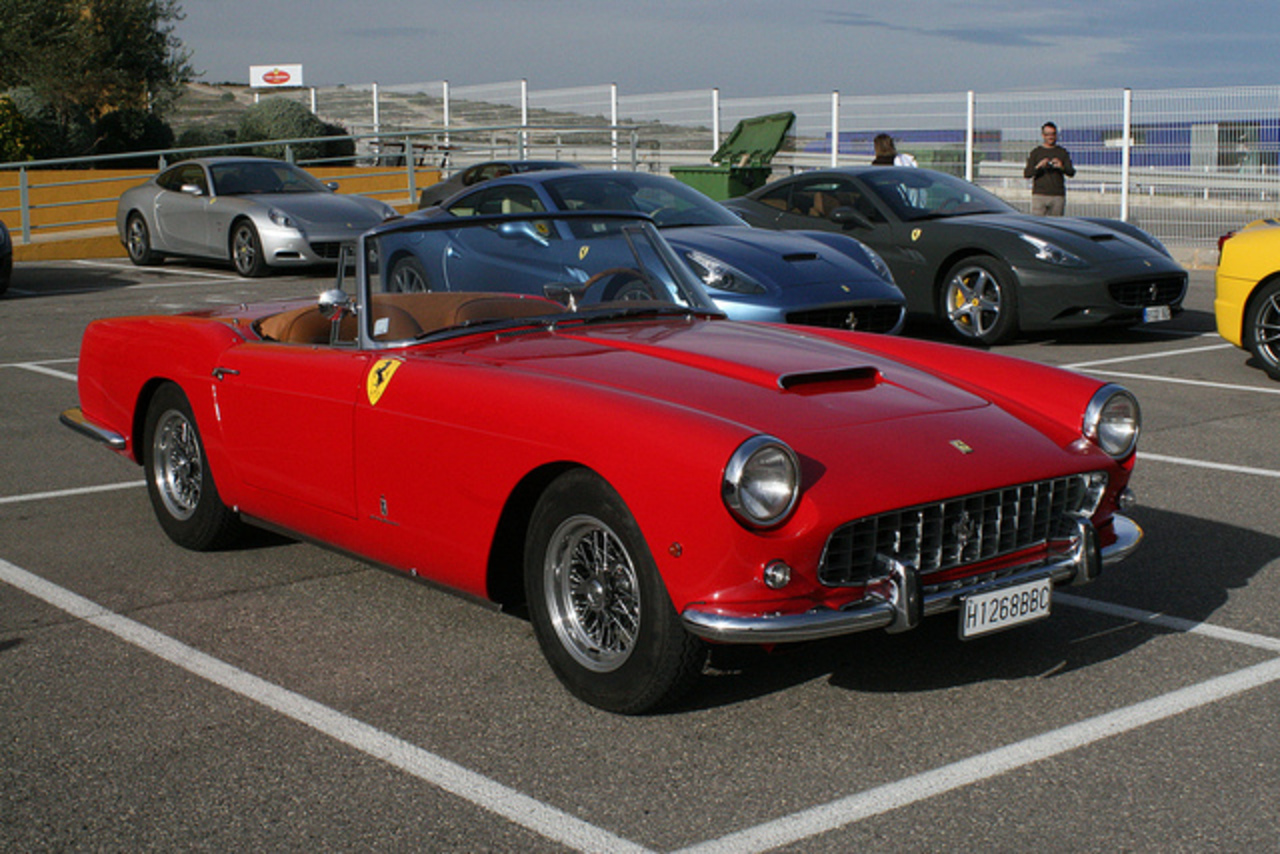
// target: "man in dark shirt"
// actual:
[[1048, 167]]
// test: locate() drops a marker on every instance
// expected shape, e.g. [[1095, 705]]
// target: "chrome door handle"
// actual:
[[219, 373]]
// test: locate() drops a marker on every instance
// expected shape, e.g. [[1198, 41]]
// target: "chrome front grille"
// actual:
[[957, 532]]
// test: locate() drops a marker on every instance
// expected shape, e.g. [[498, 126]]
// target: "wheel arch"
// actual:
[[504, 574], [955, 257], [1252, 300]]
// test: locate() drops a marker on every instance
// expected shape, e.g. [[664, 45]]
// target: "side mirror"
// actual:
[[191, 189], [332, 185], [849, 217], [334, 305]]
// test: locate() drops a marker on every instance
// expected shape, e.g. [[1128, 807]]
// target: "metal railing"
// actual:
[[401, 154], [1187, 165]]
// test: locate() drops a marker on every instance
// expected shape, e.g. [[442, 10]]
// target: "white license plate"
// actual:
[[1157, 313], [1008, 606]]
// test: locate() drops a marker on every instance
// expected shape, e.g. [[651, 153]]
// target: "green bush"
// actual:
[[201, 137], [131, 130], [281, 118]]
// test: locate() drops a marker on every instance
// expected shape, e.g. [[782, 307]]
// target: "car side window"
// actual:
[[820, 197], [498, 200], [779, 198], [179, 176]]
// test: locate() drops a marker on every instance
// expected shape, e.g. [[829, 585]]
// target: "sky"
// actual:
[[744, 47]]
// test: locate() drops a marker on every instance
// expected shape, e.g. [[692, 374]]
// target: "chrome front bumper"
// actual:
[[897, 603]]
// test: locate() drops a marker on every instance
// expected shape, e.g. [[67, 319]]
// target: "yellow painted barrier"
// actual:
[[73, 210]]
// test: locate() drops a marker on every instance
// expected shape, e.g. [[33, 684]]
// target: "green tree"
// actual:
[[81, 60]]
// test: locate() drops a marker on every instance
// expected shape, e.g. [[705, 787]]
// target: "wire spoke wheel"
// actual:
[[593, 595], [177, 464]]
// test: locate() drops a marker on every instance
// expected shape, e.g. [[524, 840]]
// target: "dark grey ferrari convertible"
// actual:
[[972, 260]]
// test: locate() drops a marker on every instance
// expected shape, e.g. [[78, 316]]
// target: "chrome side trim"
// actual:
[[897, 603], [75, 419]]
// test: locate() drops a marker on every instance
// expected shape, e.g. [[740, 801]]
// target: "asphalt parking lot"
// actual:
[[282, 697]]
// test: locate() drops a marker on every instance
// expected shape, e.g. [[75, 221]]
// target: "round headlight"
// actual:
[[761, 482], [1112, 420]]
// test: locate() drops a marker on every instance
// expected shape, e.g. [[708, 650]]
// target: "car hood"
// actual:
[[1090, 240], [330, 208], [780, 259], [854, 409], [739, 371]]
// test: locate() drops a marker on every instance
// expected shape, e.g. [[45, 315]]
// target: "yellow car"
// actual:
[[1247, 300]]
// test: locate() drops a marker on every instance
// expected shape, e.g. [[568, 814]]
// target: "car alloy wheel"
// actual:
[[246, 251], [138, 241], [978, 300], [1262, 328], [408, 276]]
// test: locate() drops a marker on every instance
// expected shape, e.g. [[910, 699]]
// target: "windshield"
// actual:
[[916, 194], [669, 202], [249, 177], [451, 275]]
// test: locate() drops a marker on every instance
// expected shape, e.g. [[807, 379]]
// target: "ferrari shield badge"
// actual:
[[915, 234], [379, 378], [582, 252]]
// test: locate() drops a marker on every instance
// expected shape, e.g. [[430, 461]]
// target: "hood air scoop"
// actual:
[[861, 377]]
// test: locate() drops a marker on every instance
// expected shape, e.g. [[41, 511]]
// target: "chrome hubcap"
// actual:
[[592, 593], [177, 466]]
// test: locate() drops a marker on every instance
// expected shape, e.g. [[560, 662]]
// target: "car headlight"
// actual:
[[761, 482], [718, 275], [1052, 254], [1112, 420], [280, 218], [878, 264]]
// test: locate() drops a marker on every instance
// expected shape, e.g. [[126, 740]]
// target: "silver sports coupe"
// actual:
[[257, 212]]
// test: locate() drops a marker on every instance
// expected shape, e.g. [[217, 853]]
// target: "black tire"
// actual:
[[137, 242], [1261, 333], [979, 301], [183, 493], [613, 637], [408, 276], [246, 250]]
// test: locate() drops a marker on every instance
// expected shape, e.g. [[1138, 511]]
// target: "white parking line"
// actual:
[[39, 368], [1179, 381], [1163, 354], [577, 834], [157, 270], [1177, 624], [68, 493], [1204, 464], [518, 808], [891, 796]]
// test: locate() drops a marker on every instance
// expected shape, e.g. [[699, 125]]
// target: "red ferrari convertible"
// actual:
[[644, 475]]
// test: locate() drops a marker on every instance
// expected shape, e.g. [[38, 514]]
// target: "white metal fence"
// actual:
[[1186, 164]]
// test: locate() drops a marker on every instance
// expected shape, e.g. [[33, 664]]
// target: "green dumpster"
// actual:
[[741, 163]]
